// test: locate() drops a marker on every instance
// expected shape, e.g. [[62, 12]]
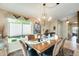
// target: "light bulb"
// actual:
[[67, 22], [50, 18], [75, 22]]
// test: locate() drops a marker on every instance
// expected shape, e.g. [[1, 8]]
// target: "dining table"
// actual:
[[42, 45]]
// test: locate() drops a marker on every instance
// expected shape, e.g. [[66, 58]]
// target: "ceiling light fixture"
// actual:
[[50, 18], [67, 21], [44, 14], [75, 22]]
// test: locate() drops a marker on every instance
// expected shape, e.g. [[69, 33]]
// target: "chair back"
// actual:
[[63, 41], [31, 37], [58, 46], [24, 47], [76, 53]]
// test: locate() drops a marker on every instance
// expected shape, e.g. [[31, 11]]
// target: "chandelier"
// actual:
[[44, 13]]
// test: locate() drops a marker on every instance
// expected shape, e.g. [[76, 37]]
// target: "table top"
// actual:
[[42, 46]]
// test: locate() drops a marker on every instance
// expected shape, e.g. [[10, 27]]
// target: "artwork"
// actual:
[[54, 28], [37, 28]]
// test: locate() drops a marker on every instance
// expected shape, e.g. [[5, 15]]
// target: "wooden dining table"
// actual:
[[42, 46]]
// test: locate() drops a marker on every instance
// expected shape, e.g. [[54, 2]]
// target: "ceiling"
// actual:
[[36, 9]]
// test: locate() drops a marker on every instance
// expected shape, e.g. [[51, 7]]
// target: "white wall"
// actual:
[[66, 28], [3, 23], [3, 31], [49, 25]]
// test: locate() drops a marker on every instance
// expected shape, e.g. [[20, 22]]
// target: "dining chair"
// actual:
[[24, 48], [3, 50], [3, 47], [76, 53], [31, 37], [61, 48], [58, 46]]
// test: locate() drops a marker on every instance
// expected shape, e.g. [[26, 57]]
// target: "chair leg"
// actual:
[[40, 54], [62, 52]]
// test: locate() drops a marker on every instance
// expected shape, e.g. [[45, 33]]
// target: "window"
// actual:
[[18, 28]]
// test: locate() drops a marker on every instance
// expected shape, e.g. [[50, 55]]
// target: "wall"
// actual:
[[47, 25], [50, 24], [59, 28], [3, 31], [66, 28], [62, 28], [3, 23]]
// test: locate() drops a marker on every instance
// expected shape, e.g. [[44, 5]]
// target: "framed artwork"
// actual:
[[37, 28], [54, 28]]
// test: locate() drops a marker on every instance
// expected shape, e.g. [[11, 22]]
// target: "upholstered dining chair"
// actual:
[[61, 48], [76, 53], [58, 46], [24, 48]]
